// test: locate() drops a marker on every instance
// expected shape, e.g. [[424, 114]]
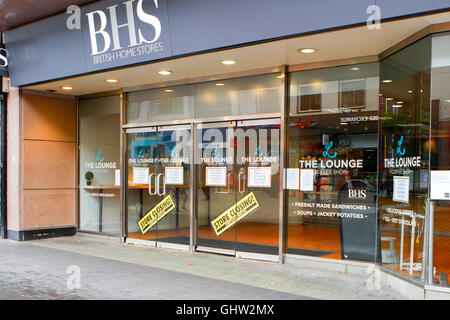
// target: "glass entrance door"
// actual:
[[158, 184], [238, 187], [216, 187]]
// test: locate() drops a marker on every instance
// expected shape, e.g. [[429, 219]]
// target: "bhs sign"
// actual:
[[123, 31]]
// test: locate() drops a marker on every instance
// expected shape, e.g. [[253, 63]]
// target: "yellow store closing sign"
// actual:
[[157, 213], [236, 212]]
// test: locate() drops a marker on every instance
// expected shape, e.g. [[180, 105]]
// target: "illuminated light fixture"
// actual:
[[228, 62], [66, 88], [307, 50], [400, 102], [168, 90], [111, 80], [389, 99], [165, 72], [344, 123], [410, 91], [281, 76], [387, 81], [220, 84], [397, 106], [355, 69]]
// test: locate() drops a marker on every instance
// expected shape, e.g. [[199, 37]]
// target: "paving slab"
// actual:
[[111, 270]]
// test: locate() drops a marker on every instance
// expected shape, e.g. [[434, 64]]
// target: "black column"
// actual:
[[3, 225]]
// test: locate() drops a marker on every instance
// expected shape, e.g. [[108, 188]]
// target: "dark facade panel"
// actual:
[[47, 50]]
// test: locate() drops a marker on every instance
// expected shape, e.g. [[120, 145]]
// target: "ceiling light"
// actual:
[[220, 84], [387, 81], [66, 88], [111, 80], [281, 76], [400, 102], [228, 62], [165, 72], [410, 91], [397, 106], [355, 69], [389, 99], [307, 50], [168, 90]]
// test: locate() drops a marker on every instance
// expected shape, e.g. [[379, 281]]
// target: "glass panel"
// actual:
[[99, 164], [238, 187], [159, 185], [161, 104], [250, 95], [404, 154], [258, 169], [440, 153], [216, 186], [332, 164]]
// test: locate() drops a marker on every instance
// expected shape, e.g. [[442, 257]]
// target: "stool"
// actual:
[[389, 256]]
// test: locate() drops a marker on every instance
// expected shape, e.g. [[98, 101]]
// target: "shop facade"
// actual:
[[229, 143]]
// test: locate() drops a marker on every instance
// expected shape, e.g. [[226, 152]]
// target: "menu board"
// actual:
[[216, 176], [401, 189], [174, 175], [292, 179], [306, 179], [260, 177], [140, 175]]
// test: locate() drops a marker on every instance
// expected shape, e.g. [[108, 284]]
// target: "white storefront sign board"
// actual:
[[260, 177], [216, 176], [401, 189], [174, 175], [117, 177], [292, 179], [140, 175], [440, 185], [306, 179]]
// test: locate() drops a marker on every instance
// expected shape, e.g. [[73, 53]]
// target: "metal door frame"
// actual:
[[157, 127], [237, 122]]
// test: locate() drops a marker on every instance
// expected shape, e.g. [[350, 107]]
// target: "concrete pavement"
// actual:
[[42, 269]]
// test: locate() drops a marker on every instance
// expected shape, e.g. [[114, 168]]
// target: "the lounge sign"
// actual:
[[3, 61], [106, 42]]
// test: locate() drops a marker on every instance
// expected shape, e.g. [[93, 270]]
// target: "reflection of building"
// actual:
[[168, 112]]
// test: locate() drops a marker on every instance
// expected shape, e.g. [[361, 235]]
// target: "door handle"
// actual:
[[228, 184], [150, 184], [158, 188], [241, 174]]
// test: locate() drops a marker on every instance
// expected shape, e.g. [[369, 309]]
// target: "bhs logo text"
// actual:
[[96, 30]]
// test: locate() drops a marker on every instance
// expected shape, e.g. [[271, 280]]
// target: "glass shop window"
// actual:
[[332, 163], [404, 158], [160, 104], [353, 94], [99, 175], [310, 98], [440, 156]]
